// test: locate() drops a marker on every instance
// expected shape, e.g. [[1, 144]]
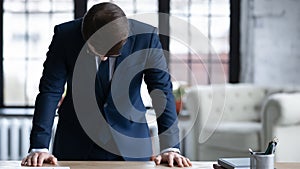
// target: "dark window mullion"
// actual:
[[164, 26], [234, 42], [80, 8]]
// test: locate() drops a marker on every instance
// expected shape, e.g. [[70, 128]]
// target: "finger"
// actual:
[[178, 161], [41, 159], [171, 159], [52, 160], [23, 162], [157, 160], [152, 158], [189, 161], [28, 160], [34, 159], [185, 162]]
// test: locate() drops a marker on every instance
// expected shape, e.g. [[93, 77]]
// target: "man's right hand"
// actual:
[[38, 158]]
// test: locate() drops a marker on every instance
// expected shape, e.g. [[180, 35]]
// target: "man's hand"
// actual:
[[38, 158], [171, 157]]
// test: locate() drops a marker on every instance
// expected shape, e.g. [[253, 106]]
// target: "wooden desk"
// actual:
[[132, 165]]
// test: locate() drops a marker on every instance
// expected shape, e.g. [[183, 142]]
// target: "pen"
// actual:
[[271, 147], [251, 151]]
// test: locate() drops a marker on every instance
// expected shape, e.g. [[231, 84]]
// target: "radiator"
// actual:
[[14, 136]]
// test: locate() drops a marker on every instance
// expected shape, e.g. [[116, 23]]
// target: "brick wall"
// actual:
[[270, 37]]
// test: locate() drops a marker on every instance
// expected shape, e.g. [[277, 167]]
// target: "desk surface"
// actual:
[[131, 165]]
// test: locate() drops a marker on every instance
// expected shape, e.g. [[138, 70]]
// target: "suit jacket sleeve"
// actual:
[[160, 89], [51, 89]]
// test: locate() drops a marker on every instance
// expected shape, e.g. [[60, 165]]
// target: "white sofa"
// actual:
[[281, 119], [226, 120]]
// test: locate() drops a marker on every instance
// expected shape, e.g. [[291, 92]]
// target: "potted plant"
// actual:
[[178, 94]]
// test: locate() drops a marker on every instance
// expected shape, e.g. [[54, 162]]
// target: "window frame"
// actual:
[[80, 7]]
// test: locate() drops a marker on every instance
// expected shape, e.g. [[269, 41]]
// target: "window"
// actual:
[[211, 18], [28, 27], [131, 7]]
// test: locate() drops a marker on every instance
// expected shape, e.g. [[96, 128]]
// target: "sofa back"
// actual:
[[234, 102]]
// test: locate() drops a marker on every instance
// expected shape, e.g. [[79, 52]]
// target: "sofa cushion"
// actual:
[[238, 136], [243, 98]]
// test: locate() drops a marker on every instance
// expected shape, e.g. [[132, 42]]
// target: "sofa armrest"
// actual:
[[281, 109], [288, 108]]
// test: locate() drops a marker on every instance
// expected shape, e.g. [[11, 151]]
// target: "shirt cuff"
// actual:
[[39, 150], [176, 150]]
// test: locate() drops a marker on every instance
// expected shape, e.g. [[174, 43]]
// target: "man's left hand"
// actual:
[[172, 158]]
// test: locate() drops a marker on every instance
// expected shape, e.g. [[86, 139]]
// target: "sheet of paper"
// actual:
[[19, 167]]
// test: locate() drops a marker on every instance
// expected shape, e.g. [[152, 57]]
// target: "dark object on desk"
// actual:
[[271, 147], [217, 166], [234, 163]]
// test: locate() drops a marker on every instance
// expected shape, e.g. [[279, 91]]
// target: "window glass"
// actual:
[[211, 18], [28, 27], [131, 7]]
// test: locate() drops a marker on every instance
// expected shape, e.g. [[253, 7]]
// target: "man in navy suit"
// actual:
[[121, 53]]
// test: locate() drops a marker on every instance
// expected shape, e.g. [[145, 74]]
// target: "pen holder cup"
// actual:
[[259, 160]]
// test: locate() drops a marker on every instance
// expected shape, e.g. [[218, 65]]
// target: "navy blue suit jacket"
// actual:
[[71, 142]]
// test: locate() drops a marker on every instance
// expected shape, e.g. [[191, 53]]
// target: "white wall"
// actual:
[[270, 42]]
